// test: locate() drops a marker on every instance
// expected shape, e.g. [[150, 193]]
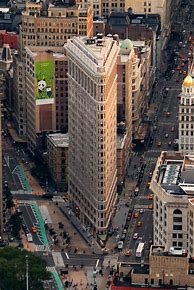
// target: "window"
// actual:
[[177, 211], [177, 219], [177, 227]]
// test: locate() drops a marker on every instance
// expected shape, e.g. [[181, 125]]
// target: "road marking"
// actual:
[[67, 255], [97, 262], [58, 259]]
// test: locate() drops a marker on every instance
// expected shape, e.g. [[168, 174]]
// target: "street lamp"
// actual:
[[27, 286]]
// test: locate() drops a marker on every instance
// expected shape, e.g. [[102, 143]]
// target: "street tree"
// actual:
[[13, 270]]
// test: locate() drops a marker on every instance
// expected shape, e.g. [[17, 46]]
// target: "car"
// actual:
[[124, 231], [141, 211], [172, 129], [135, 236], [167, 114], [123, 237], [129, 217], [120, 245], [139, 223], [178, 68], [150, 206], [159, 144], [128, 253], [148, 184], [135, 215], [34, 230], [150, 197], [166, 135]]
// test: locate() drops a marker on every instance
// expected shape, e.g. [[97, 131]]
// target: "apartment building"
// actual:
[[173, 187], [92, 84], [57, 156], [186, 117], [46, 28]]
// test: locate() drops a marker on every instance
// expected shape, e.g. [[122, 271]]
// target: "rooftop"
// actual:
[[97, 52], [175, 173], [173, 251], [59, 139]]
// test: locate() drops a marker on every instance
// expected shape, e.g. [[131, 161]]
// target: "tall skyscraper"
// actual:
[[92, 109], [186, 116]]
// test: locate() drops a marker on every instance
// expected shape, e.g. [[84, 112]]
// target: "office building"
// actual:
[[57, 157], [186, 117], [173, 187], [92, 104]]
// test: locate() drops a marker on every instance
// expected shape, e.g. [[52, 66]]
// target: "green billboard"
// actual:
[[44, 78]]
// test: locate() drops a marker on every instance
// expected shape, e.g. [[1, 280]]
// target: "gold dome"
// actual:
[[188, 81]]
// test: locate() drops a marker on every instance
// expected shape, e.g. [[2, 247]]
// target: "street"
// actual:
[[163, 137]]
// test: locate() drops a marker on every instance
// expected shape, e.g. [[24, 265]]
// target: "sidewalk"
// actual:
[[56, 217], [80, 228]]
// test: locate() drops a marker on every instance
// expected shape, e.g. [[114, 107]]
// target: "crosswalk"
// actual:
[[42, 248], [50, 269]]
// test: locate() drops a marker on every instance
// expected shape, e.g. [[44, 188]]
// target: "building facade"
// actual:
[[173, 187], [124, 106], [45, 29], [186, 117], [92, 84], [46, 94], [57, 156]]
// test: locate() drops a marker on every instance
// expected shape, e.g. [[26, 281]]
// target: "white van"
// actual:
[[29, 237], [120, 245]]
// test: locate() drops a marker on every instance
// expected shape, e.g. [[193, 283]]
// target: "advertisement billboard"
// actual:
[[44, 78]]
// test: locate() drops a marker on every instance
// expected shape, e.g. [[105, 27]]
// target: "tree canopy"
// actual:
[[13, 270]]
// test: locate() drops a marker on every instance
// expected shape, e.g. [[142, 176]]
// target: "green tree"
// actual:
[[15, 221], [9, 199], [13, 270]]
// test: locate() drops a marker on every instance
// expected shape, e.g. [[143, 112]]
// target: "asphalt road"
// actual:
[[10, 162], [74, 259], [29, 220], [164, 124]]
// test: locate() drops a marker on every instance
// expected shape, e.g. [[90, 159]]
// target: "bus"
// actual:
[[139, 250]]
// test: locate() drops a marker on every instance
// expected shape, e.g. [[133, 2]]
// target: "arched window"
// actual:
[[177, 211]]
